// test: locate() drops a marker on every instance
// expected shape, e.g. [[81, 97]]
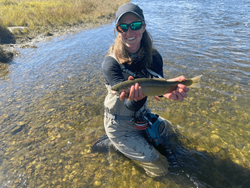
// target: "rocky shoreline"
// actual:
[[9, 51]]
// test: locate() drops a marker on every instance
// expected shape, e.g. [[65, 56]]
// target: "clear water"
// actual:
[[51, 102]]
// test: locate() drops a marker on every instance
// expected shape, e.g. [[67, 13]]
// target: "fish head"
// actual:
[[118, 92]]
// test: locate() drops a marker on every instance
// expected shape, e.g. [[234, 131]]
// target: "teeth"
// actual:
[[131, 38]]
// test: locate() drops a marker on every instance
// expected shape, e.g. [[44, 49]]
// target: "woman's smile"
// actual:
[[132, 38]]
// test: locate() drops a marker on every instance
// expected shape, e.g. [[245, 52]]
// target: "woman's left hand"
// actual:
[[180, 93]]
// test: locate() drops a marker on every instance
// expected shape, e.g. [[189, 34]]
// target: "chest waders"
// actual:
[[123, 129], [144, 119]]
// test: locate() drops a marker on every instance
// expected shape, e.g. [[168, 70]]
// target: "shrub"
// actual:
[[6, 36]]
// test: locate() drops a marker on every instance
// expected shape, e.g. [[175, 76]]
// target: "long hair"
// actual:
[[122, 55]]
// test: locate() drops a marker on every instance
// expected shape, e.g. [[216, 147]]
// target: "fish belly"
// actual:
[[154, 90]]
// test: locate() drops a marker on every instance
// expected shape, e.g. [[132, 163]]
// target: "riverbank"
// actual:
[[24, 23]]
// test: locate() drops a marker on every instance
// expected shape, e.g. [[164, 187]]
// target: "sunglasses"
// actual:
[[122, 28]]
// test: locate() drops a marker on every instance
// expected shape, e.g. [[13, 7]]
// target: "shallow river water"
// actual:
[[51, 102]]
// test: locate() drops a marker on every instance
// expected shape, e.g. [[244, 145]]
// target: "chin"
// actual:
[[132, 48]]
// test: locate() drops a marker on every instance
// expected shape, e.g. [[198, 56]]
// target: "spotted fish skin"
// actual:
[[156, 86]]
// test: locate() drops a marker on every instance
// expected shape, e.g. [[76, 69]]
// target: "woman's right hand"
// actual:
[[134, 93]]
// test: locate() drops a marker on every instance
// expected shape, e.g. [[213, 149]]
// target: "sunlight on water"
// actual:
[[51, 103]]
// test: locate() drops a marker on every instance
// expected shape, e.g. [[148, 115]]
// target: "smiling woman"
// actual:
[[132, 56], [131, 30]]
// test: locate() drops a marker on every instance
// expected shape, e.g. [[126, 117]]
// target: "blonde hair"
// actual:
[[122, 55]]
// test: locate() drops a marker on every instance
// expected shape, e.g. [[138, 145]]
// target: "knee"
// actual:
[[152, 157], [158, 167]]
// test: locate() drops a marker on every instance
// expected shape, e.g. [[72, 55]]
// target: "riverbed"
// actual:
[[51, 102]]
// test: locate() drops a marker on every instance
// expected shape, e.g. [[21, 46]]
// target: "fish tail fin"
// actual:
[[196, 82]]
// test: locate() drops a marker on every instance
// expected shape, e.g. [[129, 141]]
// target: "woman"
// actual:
[[132, 56]]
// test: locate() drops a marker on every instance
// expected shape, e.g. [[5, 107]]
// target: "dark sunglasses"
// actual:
[[134, 26]]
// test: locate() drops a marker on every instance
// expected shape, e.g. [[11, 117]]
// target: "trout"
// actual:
[[156, 86]]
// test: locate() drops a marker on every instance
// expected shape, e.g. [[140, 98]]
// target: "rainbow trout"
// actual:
[[156, 86]]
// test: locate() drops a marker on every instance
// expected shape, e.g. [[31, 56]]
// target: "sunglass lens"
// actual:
[[136, 25], [122, 28]]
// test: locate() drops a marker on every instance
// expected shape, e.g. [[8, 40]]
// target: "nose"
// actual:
[[129, 30]]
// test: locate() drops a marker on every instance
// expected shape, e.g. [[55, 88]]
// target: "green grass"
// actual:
[[43, 16], [39, 15]]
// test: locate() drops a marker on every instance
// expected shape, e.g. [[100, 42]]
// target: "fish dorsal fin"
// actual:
[[162, 79]]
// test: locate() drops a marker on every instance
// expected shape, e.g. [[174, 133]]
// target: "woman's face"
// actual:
[[131, 38]]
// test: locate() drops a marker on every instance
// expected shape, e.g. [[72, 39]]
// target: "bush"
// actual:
[[6, 37]]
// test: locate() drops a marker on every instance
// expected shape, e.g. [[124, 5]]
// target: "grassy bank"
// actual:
[[43, 16], [35, 14]]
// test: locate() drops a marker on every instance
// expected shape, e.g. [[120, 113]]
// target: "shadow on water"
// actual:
[[205, 169], [195, 168]]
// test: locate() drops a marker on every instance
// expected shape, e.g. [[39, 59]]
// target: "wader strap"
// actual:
[[127, 71], [123, 67], [117, 117], [154, 73]]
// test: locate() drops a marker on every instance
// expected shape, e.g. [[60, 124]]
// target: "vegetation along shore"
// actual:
[[23, 22]]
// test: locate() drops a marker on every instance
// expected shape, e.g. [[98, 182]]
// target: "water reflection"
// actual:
[[51, 103]]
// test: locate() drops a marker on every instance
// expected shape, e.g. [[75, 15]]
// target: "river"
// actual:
[[51, 102]]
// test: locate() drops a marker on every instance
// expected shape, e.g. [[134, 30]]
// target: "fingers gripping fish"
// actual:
[[156, 86]]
